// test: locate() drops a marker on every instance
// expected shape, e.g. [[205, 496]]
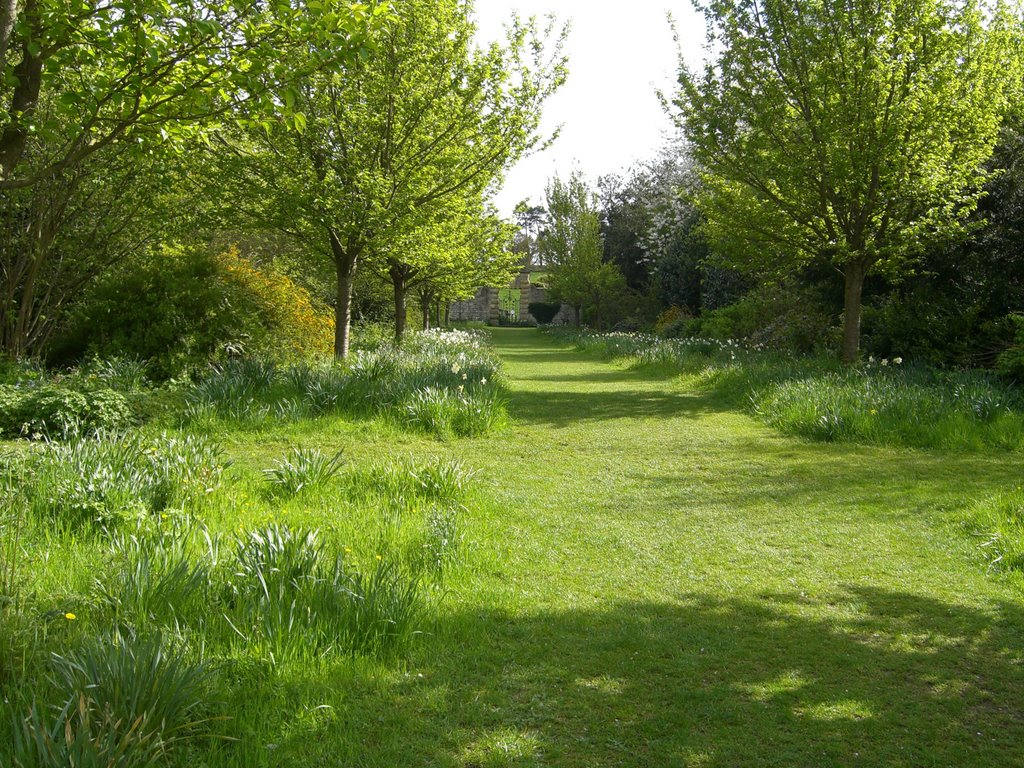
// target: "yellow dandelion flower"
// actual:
[[70, 616]]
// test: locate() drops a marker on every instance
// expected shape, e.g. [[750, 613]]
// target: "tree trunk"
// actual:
[[345, 261], [398, 280], [28, 75], [437, 312], [425, 311], [577, 309], [400, 275], [8, 15], [853, 272]]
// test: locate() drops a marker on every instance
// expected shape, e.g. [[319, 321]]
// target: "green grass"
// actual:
[[879, 402], [645, 576]]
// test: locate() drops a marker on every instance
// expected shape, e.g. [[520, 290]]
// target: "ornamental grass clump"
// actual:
[[121, 701], [998, 524], [154, 578], [302, 468], [292, 598]]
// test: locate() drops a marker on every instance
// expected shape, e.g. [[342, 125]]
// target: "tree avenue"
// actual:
[[426, 118], [852, 132]]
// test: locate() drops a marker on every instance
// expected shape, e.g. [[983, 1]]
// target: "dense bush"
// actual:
[[1010, 362], [181, 308], [57, 410], [784, 317]]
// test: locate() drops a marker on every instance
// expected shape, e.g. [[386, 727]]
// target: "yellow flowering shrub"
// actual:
[[294, 324]]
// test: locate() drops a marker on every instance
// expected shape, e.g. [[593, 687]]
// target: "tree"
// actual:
[[77, 76], [466, 246], [571, 247], [853, 132], [426, 118], [530, 219]]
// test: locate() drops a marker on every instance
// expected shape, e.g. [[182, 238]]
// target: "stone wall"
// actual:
[[484, 306]]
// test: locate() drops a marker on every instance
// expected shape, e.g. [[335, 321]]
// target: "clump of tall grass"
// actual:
[[302, 468], [881, 402], [153, 577], [915, 407], [119, 702], [440, 480], [998, 521], [294, 599], [442, 382], [107, 477]]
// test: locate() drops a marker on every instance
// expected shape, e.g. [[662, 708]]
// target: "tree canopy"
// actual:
[[853, 132]]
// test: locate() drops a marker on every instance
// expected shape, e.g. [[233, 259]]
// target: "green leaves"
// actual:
[[113, 72]]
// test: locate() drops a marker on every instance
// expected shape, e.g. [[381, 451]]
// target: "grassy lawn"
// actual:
[[651, 580], [648, 578]]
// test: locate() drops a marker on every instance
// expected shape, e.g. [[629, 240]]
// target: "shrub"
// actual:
[[543, 312], [784, 317], [57, 410], [180, 308], [1011, 361]]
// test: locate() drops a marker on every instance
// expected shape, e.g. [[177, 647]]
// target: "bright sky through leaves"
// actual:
[[619, 55]]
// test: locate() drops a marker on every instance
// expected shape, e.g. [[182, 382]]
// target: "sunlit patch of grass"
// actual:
[[997, 523]]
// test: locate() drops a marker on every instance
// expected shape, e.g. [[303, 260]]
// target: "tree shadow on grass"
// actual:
[[866, 676], [564, 408]]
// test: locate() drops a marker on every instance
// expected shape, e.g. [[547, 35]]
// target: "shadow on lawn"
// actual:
[[868, 677]]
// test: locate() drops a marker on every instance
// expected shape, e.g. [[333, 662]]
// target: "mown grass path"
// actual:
[[664, 583]]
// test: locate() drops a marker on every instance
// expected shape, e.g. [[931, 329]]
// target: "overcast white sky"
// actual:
[[619, 55]]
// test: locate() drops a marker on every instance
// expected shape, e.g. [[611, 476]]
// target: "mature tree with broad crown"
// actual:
[[854, 131], [428, 116], [77, 76]]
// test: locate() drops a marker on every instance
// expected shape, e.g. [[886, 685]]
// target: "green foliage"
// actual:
[[122, 702], [571, 247], [302, 468], [860, 164], [73, 80], [182, 308], [1011, 361], [784, 317], [58, 410], [405, 193]]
